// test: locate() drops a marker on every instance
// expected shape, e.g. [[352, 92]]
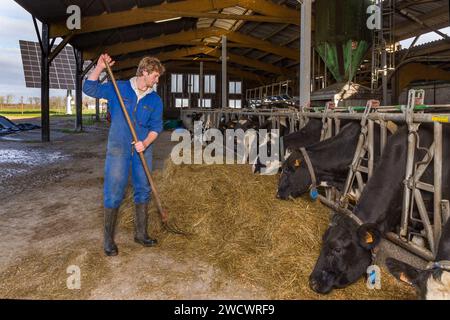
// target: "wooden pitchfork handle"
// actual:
[[162, 212]]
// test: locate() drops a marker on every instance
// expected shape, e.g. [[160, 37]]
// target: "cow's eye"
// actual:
[[337, 250]]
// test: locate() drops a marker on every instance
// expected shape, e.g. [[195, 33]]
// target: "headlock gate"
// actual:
[[361, 169]]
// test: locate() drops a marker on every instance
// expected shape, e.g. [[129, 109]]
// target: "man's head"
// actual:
[[150, 69]]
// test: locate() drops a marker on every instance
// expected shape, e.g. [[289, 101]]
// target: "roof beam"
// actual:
[[269, 8], [411, 29], [137, 16], [213, 52], [188, 8], [212, 66], [163, 56], [157, 42], [427, 50], [188, 38], [244, 61], [264, 45]]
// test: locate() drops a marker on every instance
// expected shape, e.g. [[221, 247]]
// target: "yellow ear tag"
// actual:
[[298, 163], [369, 238]]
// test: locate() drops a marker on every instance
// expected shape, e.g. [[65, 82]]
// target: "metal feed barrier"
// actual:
[[361, 168], [275, 93]]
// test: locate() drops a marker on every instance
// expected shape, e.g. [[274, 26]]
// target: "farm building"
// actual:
[[231, 149]]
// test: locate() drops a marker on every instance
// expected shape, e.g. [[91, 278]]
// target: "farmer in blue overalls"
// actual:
[[145, 109]]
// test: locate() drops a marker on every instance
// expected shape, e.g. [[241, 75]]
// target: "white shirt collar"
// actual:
[[139, 94]]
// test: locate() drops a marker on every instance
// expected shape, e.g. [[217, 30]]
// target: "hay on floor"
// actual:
[[240, 227]]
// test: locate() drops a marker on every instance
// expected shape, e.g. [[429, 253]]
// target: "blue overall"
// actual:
[[146, 116]]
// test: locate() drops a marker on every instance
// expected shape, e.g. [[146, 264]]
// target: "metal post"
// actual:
[[407, 191], [384, 78], [78, 88], [437, 182], [305, 53], [45, 83], [97, 109], [325, 67], [224, 72], [370, 146], [201, 81], [383, 136], [313, 72]]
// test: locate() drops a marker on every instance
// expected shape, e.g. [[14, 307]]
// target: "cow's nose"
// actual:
[[313, 284]]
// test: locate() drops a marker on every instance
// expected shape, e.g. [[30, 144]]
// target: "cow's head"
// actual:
[[432, 284], [295, 178], [346, 253]]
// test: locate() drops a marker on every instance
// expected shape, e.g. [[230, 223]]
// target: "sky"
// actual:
[[16, 24]]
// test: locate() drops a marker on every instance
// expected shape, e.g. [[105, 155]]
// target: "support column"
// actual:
[[384, 78], [224, 72], [201, 84], [78, 90], [97, 110], [305, 53], [45, 83]]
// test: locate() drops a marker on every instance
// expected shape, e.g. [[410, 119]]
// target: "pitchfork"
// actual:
[[173, 228]]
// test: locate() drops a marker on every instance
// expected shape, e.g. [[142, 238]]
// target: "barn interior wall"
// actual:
[[434, 93], [164, 90]]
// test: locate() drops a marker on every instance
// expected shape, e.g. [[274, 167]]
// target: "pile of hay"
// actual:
[[240, 227], [44, 275]]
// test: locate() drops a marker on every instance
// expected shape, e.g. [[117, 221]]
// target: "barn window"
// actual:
[[177, 83], [181, 103], [210, 83], [235, 87], [206, 103], [193, 83], [235, 104]]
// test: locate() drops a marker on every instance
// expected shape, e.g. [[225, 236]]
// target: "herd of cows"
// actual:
[[349, 242]]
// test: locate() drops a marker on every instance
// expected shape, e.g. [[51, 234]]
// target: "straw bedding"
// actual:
[[237, 226], [240, 227]]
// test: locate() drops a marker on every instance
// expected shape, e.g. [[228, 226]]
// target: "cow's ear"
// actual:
[[369, 236], [405, 273]]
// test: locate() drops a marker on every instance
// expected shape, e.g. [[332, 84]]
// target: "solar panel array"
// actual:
[[62, 68]]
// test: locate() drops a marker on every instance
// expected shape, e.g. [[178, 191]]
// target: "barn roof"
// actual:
[[263, 35]]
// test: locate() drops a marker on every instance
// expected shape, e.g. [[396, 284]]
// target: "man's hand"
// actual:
[[95, 74], [101, 61], [140, 146]]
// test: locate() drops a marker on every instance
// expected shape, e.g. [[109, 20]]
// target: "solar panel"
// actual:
[[62, 68]]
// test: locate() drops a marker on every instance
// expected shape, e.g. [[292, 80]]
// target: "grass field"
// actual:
[[27, 113]]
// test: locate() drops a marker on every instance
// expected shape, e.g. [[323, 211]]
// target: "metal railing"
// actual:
[[268, 95], [412, 114]]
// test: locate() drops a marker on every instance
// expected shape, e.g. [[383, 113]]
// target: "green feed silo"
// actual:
[[341, 35]]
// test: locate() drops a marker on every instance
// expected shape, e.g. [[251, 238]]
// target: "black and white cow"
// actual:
[[434, 282], [346, 246], [330, 159], [309, 134]]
